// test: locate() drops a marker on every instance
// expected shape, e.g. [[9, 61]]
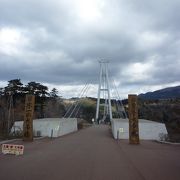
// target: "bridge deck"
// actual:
[[92, 154]]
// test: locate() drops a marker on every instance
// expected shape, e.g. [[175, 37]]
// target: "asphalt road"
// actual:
[[92, 154]]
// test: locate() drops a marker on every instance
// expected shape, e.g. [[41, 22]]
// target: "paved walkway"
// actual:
[[92, 154]]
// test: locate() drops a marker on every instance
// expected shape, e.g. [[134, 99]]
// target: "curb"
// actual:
[[8, 141], [11, 140], [166, 142]]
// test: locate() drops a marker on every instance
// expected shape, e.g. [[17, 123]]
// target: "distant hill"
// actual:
[[167, 93]]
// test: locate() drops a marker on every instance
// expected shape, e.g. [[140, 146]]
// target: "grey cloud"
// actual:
[[64, 50]]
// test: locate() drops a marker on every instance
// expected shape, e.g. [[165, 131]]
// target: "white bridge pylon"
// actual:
[[104, 92]]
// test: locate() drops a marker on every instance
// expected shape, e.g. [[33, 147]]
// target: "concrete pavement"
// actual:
[[92, 154]]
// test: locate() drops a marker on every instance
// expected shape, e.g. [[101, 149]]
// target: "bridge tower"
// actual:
[[103, 99]]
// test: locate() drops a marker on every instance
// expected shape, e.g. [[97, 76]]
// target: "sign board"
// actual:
[[28, 118], [133, 119], [121, 130], [12, 149]]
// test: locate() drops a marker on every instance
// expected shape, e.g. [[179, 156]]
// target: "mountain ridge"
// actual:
[[165, 93]]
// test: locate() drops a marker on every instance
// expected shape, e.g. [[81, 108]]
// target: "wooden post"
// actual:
[[133, 119], [28, 118]]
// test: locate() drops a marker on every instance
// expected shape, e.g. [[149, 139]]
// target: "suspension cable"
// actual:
[[119, 100], [71, 107]]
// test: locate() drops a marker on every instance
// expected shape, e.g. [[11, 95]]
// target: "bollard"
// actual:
[[118, 134], [51, 133]]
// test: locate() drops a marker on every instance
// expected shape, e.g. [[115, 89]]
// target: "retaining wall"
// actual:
[[50, 127], [148, 130]]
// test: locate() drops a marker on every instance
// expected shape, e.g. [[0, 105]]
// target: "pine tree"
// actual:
[[54, 93]]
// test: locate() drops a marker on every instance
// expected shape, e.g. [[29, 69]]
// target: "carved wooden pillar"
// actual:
[[28, 118], [133, 119]]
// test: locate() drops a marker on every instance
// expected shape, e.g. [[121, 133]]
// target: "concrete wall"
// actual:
[[67, 125], [51, 127], [148, 130]]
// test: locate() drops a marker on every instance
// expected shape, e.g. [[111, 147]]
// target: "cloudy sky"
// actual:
[[59, 43]]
